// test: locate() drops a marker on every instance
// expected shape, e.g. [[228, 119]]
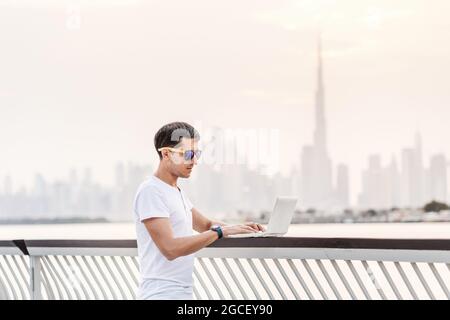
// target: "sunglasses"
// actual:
[[187, 154]]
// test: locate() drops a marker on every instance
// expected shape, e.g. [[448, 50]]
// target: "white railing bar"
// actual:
[[94, 276], [80, 281], [91, 276], [35, 278], [45, 280], [406, 280], [10, 284], [60, 276], [113, 276], [65, 275], [343, 279], [322, 292], [286, 279], [261, 279], [105, 278], [46, 270], [379, 289], [86, 278], [390, 281], [423, 281], [274, 279], [439, 279], [327, 254], [222, 277], [10, 251], [212, 279], [235, 279], [59, 264], [16, 278], [329, 280], [56, 278], [46, 290], [3, 295], [3, 288], [300, 279], [123, 276], [247, 278], [135, 262], [18, 262], [358, 279], [196, 293], [25, 261], [121, 280], [81, 251], [131, 272], [203, 284]]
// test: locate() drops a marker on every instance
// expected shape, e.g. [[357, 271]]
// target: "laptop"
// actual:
[[279, 222]]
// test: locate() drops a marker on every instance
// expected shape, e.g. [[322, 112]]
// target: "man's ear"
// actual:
[[165, 154]]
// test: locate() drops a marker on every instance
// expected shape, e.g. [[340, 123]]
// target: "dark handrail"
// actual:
[[273, 242]]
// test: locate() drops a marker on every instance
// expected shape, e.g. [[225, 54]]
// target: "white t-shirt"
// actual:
[[156, 198]]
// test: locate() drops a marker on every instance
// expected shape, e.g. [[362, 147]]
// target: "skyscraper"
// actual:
[[412, 184], [342, 187], [438, 178], [316, 168]]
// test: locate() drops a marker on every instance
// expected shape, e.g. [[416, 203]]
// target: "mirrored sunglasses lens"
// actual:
[[188, 155]]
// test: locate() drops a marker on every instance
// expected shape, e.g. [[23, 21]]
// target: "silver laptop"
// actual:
[[279, 222]]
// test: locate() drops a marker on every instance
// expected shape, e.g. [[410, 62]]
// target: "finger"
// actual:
[[252, 229], [249, 229], [258, 227], [253, 225]]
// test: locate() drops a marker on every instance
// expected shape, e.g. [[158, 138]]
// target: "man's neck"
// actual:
[[166, 176]]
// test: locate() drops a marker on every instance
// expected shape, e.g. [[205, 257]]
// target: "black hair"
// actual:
[[172, 133]]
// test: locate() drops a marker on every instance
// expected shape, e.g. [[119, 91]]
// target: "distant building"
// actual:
[[342, 187], [316, 176], [412, 177], [437, 179]]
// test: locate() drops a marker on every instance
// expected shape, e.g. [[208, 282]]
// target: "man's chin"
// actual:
[[186, 175]]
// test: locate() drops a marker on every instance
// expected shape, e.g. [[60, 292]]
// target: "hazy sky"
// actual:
[[89, 82]]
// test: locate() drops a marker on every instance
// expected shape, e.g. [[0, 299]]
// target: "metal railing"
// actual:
[[252, 268]]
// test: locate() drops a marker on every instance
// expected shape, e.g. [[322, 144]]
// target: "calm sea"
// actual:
[[126, 231]]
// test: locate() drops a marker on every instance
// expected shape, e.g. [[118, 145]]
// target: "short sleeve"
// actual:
[[150, 204]]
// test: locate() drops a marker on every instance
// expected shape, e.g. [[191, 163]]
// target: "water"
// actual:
[[126, 231]]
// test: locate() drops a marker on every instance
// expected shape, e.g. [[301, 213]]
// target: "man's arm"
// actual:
[[161, 232], [202, 223]]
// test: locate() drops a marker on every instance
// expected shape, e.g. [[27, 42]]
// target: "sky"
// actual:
[[88, 83]]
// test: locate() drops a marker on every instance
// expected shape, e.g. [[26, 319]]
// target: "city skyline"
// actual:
[[405, 182], [233, 187], [82, 99]]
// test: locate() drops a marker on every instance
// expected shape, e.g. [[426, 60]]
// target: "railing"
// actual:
[[252, 268]]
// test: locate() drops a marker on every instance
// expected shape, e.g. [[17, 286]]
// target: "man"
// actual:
[[165, 219]]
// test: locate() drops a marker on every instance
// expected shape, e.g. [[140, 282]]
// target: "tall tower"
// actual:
[[320, 134], [316, 177]]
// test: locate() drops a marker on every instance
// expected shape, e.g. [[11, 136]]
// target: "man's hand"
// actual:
[[255, 226], [237, 229]]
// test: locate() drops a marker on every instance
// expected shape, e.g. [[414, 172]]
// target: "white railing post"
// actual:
[[35, 278]]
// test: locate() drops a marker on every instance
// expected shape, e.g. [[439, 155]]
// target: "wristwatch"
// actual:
[[217, 229]]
